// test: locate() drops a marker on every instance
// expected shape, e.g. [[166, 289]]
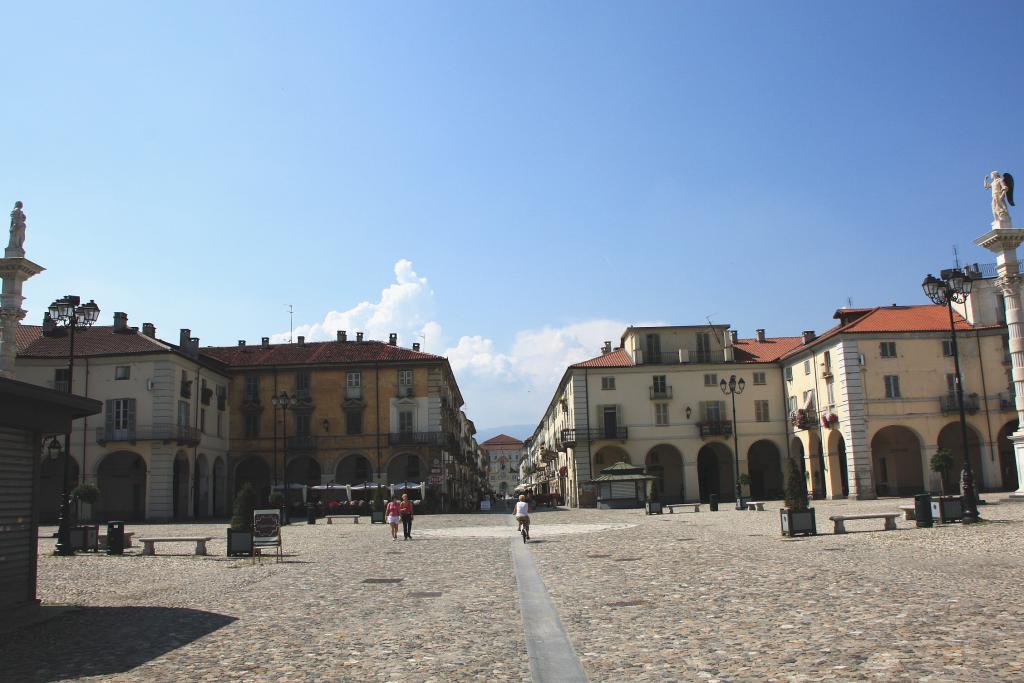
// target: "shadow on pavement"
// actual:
[[99, 641]]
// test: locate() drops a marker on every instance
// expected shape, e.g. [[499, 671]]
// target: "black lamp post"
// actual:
[[66, 312], [284, 402], [954, 287], [731, 388]]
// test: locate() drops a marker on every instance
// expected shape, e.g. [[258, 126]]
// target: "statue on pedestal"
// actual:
[[1002, 194], [17, 228]]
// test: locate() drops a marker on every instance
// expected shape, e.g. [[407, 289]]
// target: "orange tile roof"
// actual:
[[26, 334], [315, 352], [499, 443], [616, 359], [100, 340], [768, 351]]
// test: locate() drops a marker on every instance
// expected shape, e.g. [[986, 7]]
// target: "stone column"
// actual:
[[14, 269], [1003, 242]]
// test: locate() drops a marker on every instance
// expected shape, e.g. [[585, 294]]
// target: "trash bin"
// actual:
[[713, 502], [923, 510], [115, 538], [310, 513]]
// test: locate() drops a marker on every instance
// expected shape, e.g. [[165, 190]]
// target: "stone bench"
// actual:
[[755, 505], [671, 508], [909, 512], [148, 544], [354, 518], [889, 517], [127, 540]]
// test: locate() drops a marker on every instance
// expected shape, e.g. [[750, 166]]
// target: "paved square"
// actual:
[[684, 597]]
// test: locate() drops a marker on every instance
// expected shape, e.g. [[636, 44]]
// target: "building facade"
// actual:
[[504, 454]]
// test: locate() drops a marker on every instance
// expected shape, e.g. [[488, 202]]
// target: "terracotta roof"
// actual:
[[26, 334], [496, 443], [770, 350], [93, 341], [315, 352], [616, 359]]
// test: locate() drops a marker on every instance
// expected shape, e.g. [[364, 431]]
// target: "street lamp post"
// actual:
[[731, 388], [284, 402], [66, 312], [954, 286]]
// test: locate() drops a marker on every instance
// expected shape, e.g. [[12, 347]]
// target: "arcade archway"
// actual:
[[896, 462], [764, 465], [666, 463], [715, 472], [121, 479]]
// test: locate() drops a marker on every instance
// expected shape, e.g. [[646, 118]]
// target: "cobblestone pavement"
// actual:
[[684, 597]]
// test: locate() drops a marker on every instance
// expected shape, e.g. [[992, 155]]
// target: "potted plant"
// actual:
[[945, 508], [240, 531], [745, 482], [797, 517]]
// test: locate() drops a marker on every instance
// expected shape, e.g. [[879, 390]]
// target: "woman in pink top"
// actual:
[[393, 517]]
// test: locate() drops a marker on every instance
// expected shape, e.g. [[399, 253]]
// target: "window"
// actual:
[[808, 398], [121, 411], [711, 379], [887, 349], [186, 385], [183, 413], [830, 391], [405, 378], [302, 385], [761, 411], [302, 424], [789, 374], [828, 360], [892, 386], [951, 382], [759, 378], [947, 348], [252, 425], [792, 404], [661, 414], [353, 422], [1006, 348], [807, 367], [712, 410], [60, 379], [123, 372], [252, 387], [599, 458], [703, 347], [120, 418], [220, 424], [353, 385], [653, 348], [202, 420], [659, 384], [405, 421], [607, 383]]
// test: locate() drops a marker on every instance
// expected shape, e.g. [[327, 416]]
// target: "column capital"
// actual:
[[1001, 239]]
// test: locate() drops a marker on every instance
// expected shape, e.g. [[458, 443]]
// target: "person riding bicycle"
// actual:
[[522, 513]]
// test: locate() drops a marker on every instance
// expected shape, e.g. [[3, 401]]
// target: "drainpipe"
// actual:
[[586, 399]]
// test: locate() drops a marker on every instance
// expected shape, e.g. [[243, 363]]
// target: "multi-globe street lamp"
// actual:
[[954, 286], [731, 388], [66, 312]]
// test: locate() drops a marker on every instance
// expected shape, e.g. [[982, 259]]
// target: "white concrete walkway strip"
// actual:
[[552, 656]]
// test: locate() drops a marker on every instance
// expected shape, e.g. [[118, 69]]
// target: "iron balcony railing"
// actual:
[[710, 428], [404, 391], [300, 444], [184, 435], [949, 403], [664, 392], [569, 437], [804, 418], [619, 433], [61, 385], [425, 438]]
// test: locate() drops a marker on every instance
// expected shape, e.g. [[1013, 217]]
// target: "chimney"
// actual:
[[342, 335], [607, 348], [415, 346], [808, 336], [183, 338], [734, 336], [265, 342], [760, 335], [120, 322], [193, 346], [359, 336], [393, 339], [302, 340], [149, 329], [241, 343]]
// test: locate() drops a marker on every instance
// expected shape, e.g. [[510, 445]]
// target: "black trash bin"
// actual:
[[115, 538], [713, 502], [923, 510], [310, 513]]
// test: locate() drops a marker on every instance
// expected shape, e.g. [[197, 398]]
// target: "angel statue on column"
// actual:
[[17, 241], [1002, 194]]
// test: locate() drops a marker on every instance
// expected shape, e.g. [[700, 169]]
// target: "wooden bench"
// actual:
[[671, 508], [889, 517], [127, 540], [149, 543], [755, 506], [909, 512], [354, 518]]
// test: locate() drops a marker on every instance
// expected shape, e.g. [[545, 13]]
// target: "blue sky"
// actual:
[[514, 181]]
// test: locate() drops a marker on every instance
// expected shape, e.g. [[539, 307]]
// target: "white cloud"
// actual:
[[406, 307]]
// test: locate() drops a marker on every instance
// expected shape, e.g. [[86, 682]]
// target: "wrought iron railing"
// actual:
[[300, 444], [949, 403], [619, 433], [663, 393], [714, 428], [182, 434], [425, 438]]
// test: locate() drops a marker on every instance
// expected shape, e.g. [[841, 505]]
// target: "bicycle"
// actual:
[[525, 531]]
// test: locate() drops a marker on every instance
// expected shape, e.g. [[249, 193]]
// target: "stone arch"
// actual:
[[816, 454], [896, 462], [179, 485], [201, 487], [121, 479], [606, 456], [665, 462], [839, 478], [764, 465], [218, 491], [254, 471], [1007, 459], [715, 472], [304, 470], [951, 438], [51, 485], [406, 467], [354, 468]]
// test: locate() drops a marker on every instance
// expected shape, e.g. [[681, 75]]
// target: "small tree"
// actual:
[[86, 493], [745, 481], [245, 503], [942, 463], [796, 487]]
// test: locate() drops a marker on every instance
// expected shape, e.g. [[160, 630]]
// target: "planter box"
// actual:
[[653, 507], [377, 517], [798, 523], [239, 543], [947, 509], [85, 537]]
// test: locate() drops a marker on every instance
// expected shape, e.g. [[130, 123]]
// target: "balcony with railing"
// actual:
[[296, 445], [665, 357], [404, 391], [416, 438], [949, 404], [183, 435], [620, 433], [660, 393], [804, 418], [569, 438], [61, 385], [1007, 402], [709, 428]]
